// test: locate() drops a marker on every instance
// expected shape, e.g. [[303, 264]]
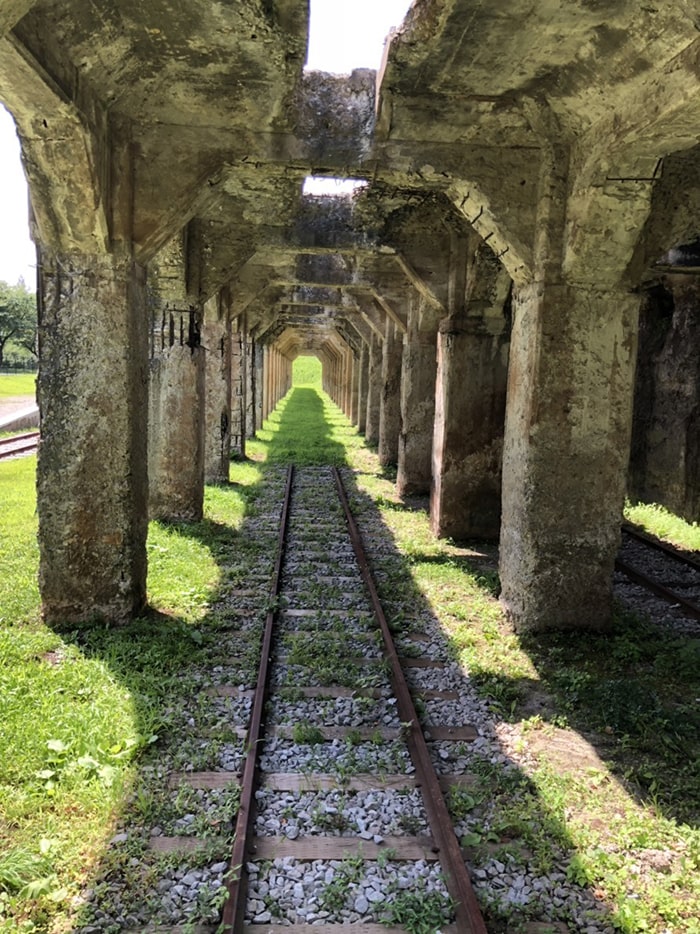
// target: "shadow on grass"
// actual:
[[171, 666]]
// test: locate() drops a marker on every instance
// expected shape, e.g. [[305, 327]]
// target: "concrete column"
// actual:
[[238, 397], [418, 374], [390, 402], [259, 360], [565, 453], [665, 457], [216, 340], [92, 484], [352, 415], [250, 379], [374, 390], [348, 370], [362, 388], [472, 370], [177, 406], [266, 378]]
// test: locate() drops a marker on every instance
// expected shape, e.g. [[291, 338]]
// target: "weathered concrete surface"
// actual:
[[665, 458], [470, 400], [552, 143], [250, 373], [362, 388], [470, 396], [374, 390], [238, 392], [91, 475], [177, 407], [565, 454], [216, 342], [418, 375], [390, 403]]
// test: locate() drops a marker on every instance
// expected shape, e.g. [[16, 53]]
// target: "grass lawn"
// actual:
[[17, 384]]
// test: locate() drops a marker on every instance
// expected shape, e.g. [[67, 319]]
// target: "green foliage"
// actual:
[[335, 895], [18, 318], [420, 912], [659, 521], [306, 734]]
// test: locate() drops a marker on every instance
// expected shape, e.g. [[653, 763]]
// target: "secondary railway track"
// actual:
[[662, 570], [19, 445]]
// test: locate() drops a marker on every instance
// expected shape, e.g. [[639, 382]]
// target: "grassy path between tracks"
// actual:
[[603, 729]]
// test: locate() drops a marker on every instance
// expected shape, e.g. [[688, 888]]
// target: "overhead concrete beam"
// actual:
[[65, 158]]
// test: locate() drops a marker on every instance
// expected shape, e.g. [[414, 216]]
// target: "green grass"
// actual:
[[83, 713], [306, 429], [658, 521], [307, 371], [17, 384]]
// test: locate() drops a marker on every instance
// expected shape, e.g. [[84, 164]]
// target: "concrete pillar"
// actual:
[[390, 402], [362, 387], [216, 340], [259, 362], [352, 415], [472, 370], [374, 389], [250, 378], [565, 452], [92, 485], [418, 374], [176, 414], [266, 377], [238, 397]]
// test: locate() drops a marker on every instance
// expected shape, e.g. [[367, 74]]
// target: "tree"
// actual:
[[17, 317]]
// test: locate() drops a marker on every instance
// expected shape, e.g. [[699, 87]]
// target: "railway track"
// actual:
[[342, 817], [337, 820], [332, 644], [662, 570], [19, 445]]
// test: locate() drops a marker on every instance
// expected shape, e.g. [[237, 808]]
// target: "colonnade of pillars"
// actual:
[[133, 424], [120, 430], [517, 434]]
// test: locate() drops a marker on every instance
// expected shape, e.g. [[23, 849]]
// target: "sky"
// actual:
[[344, 34]]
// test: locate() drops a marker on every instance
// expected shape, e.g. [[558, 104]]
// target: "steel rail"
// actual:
[[691, 609], [661, 546], [19, 444], [234, 909], [467, 913]]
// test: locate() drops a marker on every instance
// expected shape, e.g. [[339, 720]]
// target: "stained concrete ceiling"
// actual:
[[139, 120]]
